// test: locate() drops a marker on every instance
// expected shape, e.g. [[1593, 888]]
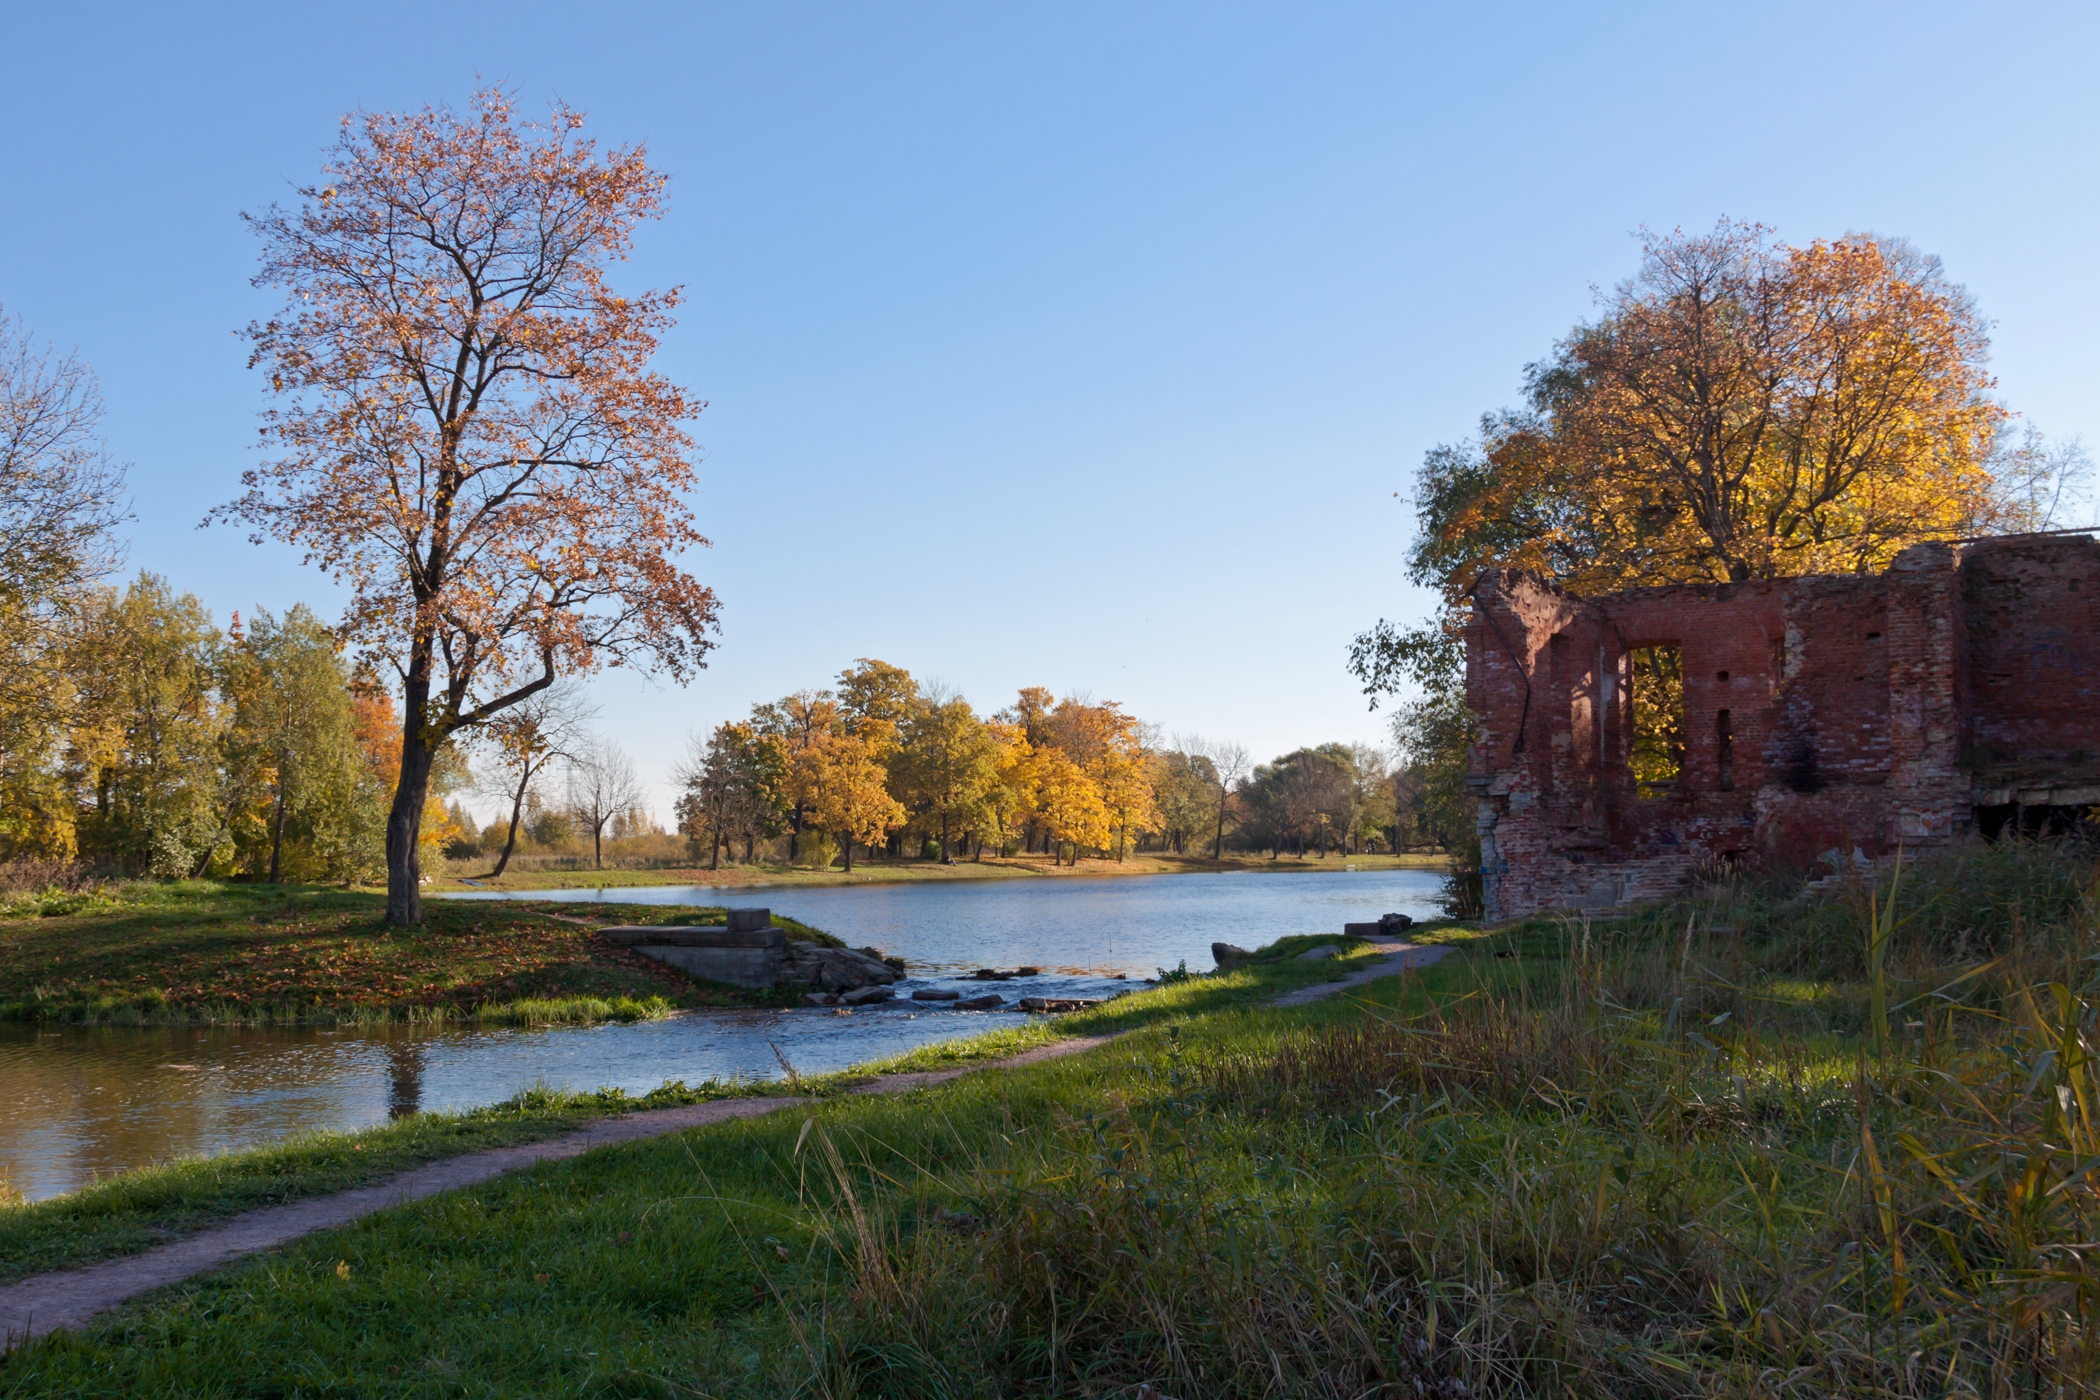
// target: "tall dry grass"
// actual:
[[1747, 1145]]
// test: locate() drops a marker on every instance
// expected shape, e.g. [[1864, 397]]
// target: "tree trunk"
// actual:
[[847, 842], [597, 845], [1217, 846], [404, 820], [714, 854], [517, 811], [277, 827]]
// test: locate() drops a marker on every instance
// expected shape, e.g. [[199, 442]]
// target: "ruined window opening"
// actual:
[[1721, 676], [1657, 752], [1873, 636], [1724, 749]]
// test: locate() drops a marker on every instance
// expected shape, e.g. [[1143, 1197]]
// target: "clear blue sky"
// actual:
[[1072, 345]]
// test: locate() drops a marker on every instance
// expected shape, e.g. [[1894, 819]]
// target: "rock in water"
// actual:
[[983, 1001], [866, 996], [834, 968], [935, 994]]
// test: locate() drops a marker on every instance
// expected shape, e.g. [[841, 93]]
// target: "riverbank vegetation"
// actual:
[[208, 952], [1758, 1141]]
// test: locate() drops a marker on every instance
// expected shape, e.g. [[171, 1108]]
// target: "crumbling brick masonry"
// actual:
[[1956, 694]]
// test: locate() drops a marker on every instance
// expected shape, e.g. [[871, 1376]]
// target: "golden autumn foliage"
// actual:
[[839, 778], [467, 432], [1740, 409], [879, 759]]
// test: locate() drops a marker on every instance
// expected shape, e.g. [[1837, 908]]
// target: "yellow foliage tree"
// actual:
[[1740, 410], [838, 779], [1068, 802], [1008, 802], [1108, 746]]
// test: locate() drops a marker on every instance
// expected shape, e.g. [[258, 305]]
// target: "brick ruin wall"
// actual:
[[1952, 696]]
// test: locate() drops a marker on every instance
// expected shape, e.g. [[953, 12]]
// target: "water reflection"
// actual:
[[404, 1067]]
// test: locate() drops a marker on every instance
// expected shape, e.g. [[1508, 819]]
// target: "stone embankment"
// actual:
[[752, 951]]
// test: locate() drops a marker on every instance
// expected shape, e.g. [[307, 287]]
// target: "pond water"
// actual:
[[77, 1103]]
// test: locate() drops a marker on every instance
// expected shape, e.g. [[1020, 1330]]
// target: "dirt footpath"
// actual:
[[47, 1302], [1398, 957]]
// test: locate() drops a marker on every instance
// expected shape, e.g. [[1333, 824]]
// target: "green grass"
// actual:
[[1674, 1155], [205, 952]]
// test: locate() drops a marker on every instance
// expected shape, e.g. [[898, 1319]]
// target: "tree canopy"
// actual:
[[466, 431]]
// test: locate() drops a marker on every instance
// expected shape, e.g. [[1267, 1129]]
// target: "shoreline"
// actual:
[[137, 1207], [881, 872]]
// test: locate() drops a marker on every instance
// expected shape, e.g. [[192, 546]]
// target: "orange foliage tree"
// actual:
[[467, 432]]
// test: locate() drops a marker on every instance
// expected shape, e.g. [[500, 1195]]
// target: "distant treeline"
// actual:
[[154, 743], [879, 762]]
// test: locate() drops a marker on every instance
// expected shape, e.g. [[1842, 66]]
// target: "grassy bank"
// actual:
[[139, 1210], [881, 870], [202, 952], [1743, 1145]]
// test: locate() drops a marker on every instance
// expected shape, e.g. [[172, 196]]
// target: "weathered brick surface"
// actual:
[[1854, 712]]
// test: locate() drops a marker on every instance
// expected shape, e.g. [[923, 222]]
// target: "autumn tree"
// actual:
[[1068, 803], [841, 784], [1030, 712], [61, 498], [1108, 746], [946, 763], [733, 783], [798, 722], [466, 432], [1182, 781], [144, 751], [1740, 409], [871, 691], [291, 774], [1007, 804], [522, 744]]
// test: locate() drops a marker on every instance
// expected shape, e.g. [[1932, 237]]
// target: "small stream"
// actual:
[[77, 1103]]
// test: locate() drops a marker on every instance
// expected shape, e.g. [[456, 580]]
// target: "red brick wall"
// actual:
[[1856, 707]]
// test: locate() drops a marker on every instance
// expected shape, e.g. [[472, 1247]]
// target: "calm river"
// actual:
[[78, 1103]]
